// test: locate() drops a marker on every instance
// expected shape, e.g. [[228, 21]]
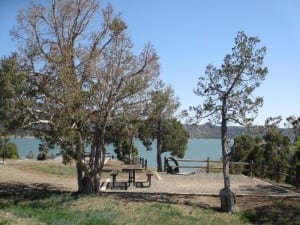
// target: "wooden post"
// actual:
[[207, 165], [262, 172], [277, 171], [298, 175], [251, 168], [145, 164]]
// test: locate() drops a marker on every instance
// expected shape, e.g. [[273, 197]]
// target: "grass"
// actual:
[[57, 169], [53, 210], [68, 209], [65, 209], [281, 212]]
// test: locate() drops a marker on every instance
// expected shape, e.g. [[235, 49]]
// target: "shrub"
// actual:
[[10, 151], [42, 156], [43, 151]]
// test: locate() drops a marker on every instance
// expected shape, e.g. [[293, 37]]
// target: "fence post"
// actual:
[[251, 168], [277, 172], [262, 172], [298, 175], [145, 164], [165, 164], [207, 165]]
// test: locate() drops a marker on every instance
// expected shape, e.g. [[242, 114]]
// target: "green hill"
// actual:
[[211, 131]]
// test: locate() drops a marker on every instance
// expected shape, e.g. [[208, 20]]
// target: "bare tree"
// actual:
[[228, 97], [85, 78]]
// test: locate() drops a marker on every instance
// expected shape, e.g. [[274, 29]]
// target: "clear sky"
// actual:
[[190, 34]]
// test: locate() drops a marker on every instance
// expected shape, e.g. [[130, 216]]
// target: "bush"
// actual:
[[43, 151], [11, 151], [42, 156]]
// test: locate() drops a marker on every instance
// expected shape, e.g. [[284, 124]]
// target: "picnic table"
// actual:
[[132, 169]]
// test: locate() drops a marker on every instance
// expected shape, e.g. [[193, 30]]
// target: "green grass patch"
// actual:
[[59, 170], [56, 210], [276, 214], [64, 209]]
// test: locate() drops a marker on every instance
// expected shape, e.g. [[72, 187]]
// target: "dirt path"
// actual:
[[18, 172]]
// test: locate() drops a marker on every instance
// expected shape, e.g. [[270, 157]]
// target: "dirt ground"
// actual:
[[17, 178]]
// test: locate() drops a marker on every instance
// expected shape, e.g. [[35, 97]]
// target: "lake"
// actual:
[[198, 149]]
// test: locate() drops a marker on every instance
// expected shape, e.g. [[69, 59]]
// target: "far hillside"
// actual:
[[211, 131]]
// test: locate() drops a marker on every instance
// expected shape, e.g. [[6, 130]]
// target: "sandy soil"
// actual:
[[198, 189], [18, 172]]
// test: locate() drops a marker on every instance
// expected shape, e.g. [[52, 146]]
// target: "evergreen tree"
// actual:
[[277, 147], [227, 95], [160, 125], [85, 79], [14, 86]]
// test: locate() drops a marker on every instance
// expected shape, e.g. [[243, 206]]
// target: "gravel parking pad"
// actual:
[[209, 184]]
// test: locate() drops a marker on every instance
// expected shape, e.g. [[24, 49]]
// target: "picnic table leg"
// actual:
[[133, 177], [114, 178], [130, 176]]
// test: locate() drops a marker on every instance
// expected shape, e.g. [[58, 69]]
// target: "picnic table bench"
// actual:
[[147, 182], [118, 183]]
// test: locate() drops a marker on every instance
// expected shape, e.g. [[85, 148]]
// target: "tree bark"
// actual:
[[227, 196], [85, 182], [228, 200], [89, 173]]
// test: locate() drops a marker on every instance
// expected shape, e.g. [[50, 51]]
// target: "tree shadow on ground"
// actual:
[[205, 202], [285, 211], [35, 191], [264, 189], [264, 210]]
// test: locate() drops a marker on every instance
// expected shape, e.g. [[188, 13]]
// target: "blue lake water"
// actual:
[[197, 149]]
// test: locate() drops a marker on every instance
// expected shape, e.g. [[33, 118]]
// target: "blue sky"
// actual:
[[188, 35]]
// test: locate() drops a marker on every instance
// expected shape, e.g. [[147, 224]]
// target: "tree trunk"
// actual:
[[228, 200], [88, 172], [227, 197], [158, 147], [85, 181]]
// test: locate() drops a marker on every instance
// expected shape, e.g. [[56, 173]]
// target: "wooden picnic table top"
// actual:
[[132, 167]]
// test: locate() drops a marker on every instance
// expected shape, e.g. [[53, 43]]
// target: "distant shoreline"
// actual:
[[24, 137]]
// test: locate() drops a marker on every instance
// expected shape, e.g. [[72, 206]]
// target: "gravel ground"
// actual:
[[208, 184], [198, 183]]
